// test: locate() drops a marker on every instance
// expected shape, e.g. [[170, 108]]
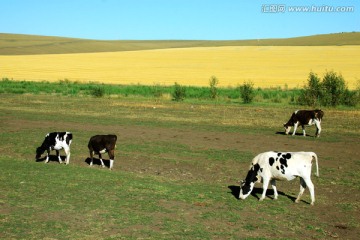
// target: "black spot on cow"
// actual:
[[256, 167], [277, 167], [271, 161], [282, 166], [283, 161], [279, 154], [251, 176], [287, 156], [69, 138], [261, 169]]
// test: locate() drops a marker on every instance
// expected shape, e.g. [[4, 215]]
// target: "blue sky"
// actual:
[[178, 19]]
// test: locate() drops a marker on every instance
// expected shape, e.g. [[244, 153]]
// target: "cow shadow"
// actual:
[[52, 158], [296, 134], [235, 191], [96, 161], [256, 192]]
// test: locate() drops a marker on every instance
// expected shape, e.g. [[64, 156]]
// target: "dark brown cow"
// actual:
[[100, 144], [305, 118]]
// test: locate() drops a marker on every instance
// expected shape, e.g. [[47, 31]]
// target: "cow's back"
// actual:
[[98, 142], [286, 165]]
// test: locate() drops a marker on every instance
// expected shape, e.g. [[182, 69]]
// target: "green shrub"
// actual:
[[350, 98], [247, 92], [97, 92], [311, 93], [213, 87], [179, 92], [331, 91]]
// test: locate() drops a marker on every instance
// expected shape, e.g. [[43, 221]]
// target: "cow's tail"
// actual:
[[317, 165]]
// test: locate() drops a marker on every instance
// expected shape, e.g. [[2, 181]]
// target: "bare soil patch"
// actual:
[[337, 205]]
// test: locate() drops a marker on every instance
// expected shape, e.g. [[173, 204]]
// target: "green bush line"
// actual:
[[66, 87], [191, 93]]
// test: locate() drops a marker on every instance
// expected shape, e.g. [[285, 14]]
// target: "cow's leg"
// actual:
[[91, 157], [302, 189], [111, 157], [67, 152], [273, 185], [310, 185], [47, 156], [102, 163], [265, 186], [318, 128], [58, 155], [295, 128], [303, 129]]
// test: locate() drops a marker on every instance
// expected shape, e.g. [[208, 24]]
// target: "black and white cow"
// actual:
[[271, 166], [303, 118], [100, 144], [56, 141]]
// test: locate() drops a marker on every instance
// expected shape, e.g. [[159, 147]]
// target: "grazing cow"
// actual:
[[304, 117], [271, 166], [100, 144], [56, 141]]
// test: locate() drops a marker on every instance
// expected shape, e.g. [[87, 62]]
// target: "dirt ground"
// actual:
[[336, 159]]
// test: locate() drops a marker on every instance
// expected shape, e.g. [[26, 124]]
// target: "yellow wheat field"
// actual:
[[265, 66]]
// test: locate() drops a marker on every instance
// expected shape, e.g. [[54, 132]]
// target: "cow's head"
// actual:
[[39, 151], [287, 128], [247, 185]]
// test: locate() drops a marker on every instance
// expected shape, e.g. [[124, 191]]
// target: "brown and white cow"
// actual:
[[100, 144], [271, 166], [304, 118]]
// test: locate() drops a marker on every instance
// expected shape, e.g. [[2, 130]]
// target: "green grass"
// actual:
[[270, 96], [61, 202], [19, 44], [175, 174], [157, 92]]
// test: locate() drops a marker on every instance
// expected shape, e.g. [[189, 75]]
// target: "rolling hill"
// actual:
[[18, 44], [266, 63]]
